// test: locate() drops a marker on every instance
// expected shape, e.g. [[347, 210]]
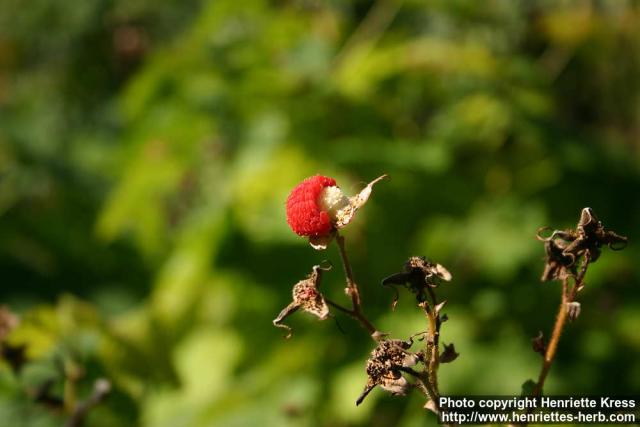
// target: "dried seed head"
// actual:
[[418, 273], [385, 365], [427, 269], [306, 296], [564, 248]]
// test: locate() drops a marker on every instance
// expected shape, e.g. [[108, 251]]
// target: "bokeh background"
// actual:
[[147, 149]]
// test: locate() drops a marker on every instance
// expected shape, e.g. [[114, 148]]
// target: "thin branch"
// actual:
[[353, 291], [101, 389], [430, 375], [561, 318], [550, 354], [338, 306]]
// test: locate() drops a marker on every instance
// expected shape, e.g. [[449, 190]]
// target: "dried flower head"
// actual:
[[418, 273], [564, 247], [306, 296], [385, 366], [590, 235], [317, 207]]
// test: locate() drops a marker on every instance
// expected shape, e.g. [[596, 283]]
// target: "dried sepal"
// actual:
[[345, 215], [306, 297], [287, 311], [367, 389], [442, 273], [395, 384], [573, 310], [557, 263], [439, 307], [321, 243]]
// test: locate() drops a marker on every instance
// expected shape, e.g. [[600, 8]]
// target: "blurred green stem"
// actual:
[[370, 29]]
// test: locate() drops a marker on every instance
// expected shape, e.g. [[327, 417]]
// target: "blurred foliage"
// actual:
[[147, 148]]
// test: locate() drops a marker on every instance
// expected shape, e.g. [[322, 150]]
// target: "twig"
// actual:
[[431, 374], [101, 389], [561, 318], [550, 354], [353, 291]]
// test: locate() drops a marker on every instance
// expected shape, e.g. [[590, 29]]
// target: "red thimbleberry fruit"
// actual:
[[317, 207], [305, 215]]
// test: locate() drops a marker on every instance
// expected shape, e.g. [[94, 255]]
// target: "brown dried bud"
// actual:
[[449, 354], [538, 344]]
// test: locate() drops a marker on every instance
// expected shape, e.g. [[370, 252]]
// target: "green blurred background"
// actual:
[[147, 149]]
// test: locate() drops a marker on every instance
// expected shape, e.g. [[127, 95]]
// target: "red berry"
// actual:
[[304, 215]]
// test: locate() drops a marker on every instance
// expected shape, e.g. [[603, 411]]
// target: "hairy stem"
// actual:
[[353, 291]]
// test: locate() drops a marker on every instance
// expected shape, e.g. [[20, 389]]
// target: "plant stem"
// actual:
[[430, 375], [561, 318], [550, 354], [353, 291], [434, 327], [101, 389], [433, 357]]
